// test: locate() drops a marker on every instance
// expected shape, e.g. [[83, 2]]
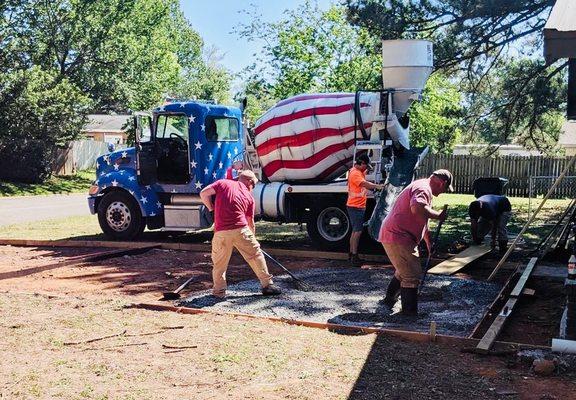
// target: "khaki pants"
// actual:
[[244, 240], [406, 262]]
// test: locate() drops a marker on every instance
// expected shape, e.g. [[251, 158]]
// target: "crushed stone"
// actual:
[[352, 296]]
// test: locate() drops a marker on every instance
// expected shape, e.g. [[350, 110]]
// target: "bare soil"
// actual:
[[67, 334]]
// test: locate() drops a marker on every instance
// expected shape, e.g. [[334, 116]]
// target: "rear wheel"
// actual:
[[120, 217], [329, 227]]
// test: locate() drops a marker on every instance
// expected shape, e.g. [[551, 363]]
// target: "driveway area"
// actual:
[[15, 210]]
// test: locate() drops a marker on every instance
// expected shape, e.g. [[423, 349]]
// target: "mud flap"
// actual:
[[401, 174]]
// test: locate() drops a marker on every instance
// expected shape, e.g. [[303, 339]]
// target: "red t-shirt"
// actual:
[[234, 205], [401, 226]]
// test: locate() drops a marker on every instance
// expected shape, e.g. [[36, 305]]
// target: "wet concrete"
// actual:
[[353, 297]]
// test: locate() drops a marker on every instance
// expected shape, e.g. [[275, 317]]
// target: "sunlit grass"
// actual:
[[456, 226], [79, 183]]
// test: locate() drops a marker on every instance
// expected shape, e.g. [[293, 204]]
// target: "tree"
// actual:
[[106, 55], [39, 111], [482, 42], [434, 121], [312, 50]]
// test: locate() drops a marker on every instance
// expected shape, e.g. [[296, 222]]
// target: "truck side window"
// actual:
[[222, 129]]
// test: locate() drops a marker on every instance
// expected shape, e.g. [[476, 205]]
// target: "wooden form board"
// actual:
[[492, 333], [460, 260], [186, 247]]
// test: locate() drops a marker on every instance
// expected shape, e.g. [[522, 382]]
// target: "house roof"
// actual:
[[568, 135], [106, 123], [560, 31]]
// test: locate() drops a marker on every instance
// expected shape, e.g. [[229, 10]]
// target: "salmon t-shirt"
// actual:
[[401, 226], [234, 205], [356, 193]]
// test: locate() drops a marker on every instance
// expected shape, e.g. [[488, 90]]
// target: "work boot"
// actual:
[[502, 246], [356, 261], [392, 292], [271, 290], [409, 297]]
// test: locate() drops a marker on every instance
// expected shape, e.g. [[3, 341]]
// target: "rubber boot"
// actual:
[[409, 297], [356, 261], [392, 292], [502, 246]]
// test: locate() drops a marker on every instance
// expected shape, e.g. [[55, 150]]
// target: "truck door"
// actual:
[[223, 145], [146, 154]]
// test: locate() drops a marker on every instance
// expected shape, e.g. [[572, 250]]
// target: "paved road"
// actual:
[[15, 210]]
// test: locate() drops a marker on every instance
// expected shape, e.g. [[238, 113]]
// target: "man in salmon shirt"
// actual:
[[356, 204], [234, 227], [403, 229]]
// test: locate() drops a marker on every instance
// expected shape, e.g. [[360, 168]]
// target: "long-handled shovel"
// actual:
[[176, 293], [433, 250], [299, 283]]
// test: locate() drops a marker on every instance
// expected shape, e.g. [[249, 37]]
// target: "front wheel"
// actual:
[[120, 217], [329, 227]]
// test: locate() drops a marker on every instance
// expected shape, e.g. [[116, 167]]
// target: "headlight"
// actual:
[[93, 190]]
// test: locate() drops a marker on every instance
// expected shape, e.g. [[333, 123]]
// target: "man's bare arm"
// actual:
[[371, 186], [427, 212], [206, 197]]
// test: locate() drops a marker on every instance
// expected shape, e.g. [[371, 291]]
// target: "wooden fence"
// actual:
[[79, 155], [516, 169]]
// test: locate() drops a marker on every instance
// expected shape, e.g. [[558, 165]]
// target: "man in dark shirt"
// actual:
[[490, 213]]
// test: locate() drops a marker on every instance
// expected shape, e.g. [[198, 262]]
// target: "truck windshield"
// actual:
[[221, 129]]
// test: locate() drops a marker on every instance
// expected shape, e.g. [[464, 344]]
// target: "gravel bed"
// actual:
[[353, 297]]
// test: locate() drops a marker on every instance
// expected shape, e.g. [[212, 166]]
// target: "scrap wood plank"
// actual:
[[490, 336], [460, 260]]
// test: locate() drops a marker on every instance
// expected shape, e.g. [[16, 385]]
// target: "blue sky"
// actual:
[[214, 21]]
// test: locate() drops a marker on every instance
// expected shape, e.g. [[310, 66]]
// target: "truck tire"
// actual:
[[329, 227], [120, 217]]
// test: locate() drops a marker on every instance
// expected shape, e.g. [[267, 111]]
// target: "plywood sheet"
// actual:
[[460, 260]]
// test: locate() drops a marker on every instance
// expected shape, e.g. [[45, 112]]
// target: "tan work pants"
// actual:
[[244, 240], [406, 262]]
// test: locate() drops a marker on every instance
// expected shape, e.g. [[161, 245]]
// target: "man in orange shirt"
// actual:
[[356, 204]]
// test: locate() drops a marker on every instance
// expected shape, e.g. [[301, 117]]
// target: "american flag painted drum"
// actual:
[[310, 137]]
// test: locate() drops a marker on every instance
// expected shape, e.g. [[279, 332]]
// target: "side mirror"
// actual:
[[111, 147]]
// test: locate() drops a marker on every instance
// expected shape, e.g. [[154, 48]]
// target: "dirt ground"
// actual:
[[68, 334]]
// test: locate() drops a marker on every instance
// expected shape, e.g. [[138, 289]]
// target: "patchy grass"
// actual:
[[79, 183], [457, 226], [80, 227]]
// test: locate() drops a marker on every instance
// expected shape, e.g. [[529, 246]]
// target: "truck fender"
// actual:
[[145, 196]]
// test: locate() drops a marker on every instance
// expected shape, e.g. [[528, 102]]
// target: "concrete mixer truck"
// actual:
[[300, 149]]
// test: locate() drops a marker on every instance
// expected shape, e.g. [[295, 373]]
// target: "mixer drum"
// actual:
[[310, 137]]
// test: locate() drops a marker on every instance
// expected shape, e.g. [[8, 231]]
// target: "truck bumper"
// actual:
[[92, 204]]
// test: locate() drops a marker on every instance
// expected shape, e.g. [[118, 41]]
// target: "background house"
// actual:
[[567, 139], [107, 128]]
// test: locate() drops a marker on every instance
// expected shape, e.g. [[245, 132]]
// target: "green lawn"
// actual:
[[456, 226], [79, 183]]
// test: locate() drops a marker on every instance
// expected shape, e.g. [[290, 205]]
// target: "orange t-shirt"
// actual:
[[356, 193]]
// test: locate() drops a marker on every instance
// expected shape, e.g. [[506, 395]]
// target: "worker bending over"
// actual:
[[403, 229], [234, 227], [356, 204], [490, 213]]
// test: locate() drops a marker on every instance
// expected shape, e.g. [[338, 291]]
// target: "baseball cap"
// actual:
[[446, 176], [363, 158]]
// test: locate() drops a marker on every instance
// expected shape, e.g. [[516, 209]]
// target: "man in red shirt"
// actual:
[[234, 227], [403, 229], [356, 204]]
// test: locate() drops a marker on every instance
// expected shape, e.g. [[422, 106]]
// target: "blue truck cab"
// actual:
[[180, 149]]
